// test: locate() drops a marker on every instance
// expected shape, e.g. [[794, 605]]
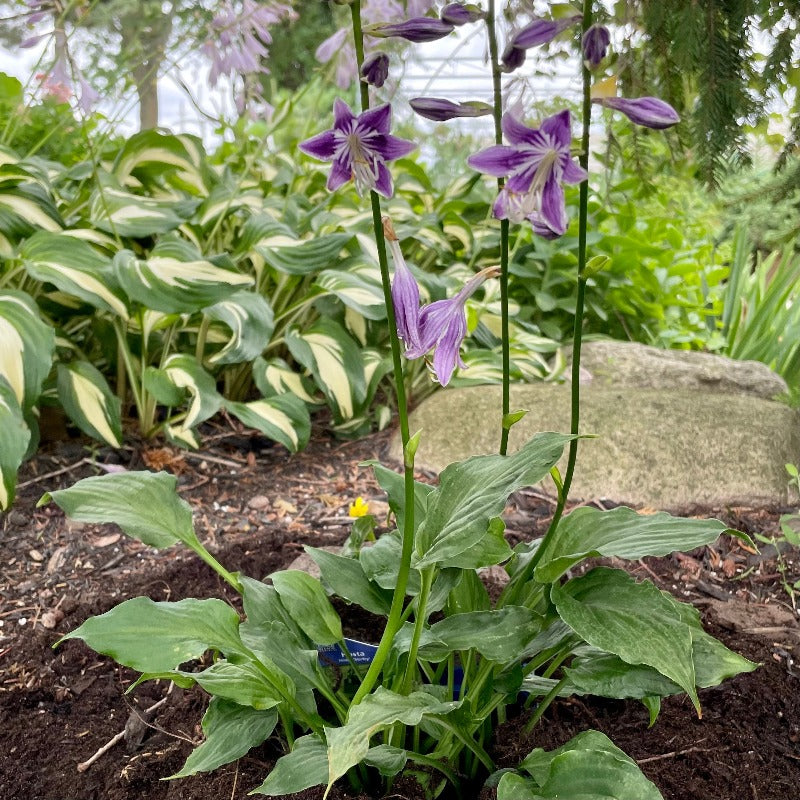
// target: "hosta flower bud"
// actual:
[[595, 44], [440, 110], [651, 112], [375, 69], [461, 14], [418, 29], [542, 31], [512, 58]]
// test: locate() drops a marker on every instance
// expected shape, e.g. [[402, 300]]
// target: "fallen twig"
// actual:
[[675, 753]]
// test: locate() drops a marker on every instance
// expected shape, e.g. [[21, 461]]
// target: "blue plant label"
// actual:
[[332, 655]]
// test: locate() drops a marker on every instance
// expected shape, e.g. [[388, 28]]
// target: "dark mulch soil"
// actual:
[[254, 508]]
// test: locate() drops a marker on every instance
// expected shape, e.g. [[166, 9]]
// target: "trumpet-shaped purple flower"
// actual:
[[443, 326], [440, 110], [542, 31], [536, 164], [647, 111], [461, 13], [595, 44], [359, 147], [405, 292], [417, 29], [375, 69]]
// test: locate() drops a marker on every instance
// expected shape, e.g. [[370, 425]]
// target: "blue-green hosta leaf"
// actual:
[[393, 483], [357, 287], [144, 504], [243, 683], [125, 214], [304, 767], [306, 601], [636, 621], [472, 492], [277, 377], [26, 346], [184, 372], [282, 417], [301, 256], [251, 321], [230, 730], [349, 744], [90, 404], [621, 532], [172, 282], [26, 208], [335, 362], [76, 268], [156, 637], [14, 438]]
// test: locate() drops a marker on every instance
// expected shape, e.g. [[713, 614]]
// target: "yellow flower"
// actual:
[[358, 508]]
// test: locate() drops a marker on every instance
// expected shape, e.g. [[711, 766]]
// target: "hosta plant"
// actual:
[[426, 697]]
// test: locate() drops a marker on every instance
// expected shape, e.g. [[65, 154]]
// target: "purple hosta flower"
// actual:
[[440, 110], [56, 83], [512, 58], [239, 37], [443, 326], [375, 69], [461, 13], [536, 164], [405, 292], [88, 96], [542, 31], [647, 111], [595, 44], [359, 147], [417, 29]]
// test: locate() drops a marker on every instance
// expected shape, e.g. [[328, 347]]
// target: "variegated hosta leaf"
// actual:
[[176, 278], [250, 318], [294, 256], [334, 360], [14, 438], [150, 154], [125, 214], [225, 199], [76, 268], [25, 208], [26, 346], [90, 404], [358, 288], [282, 417], [277, 377]]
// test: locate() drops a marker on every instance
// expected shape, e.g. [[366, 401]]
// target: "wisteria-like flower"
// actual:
[[536, 164], [417, 29], [542, 31], [443, 326], [439, 109], [595, 44], [359, 147], [375, 69], [405, 292], [651, 112], [461, 13]]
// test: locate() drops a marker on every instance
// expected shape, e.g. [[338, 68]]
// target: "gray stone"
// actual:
[[670, 449], [614, 363], [305, 563]]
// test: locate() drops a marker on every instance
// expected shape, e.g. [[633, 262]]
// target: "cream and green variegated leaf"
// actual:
[[176, 278], [150, 155], [282, 417], [376, 366], [27, 208], [358, 288], [334, 359], [14, 438], [225, 198], [122, 213], [76, 268], [91, 405], [261, 227], [250, 319], [26, 347], [301, 256], [277, 377]]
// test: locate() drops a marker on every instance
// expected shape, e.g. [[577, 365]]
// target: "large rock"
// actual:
[[657, 447], [614, 363]]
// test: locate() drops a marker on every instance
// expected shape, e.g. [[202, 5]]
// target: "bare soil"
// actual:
[[255, 507]]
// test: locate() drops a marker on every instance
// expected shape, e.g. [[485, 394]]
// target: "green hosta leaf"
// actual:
[[27, 208], [90, 404], [27, 347], [230, 730], [144, 504], [165, 392], [386, 759], [156, 637], [251, 321], [170, 280], [277, 377], [76, 268], [349, 745], [491, 549], [381, 562], [284, 418], [240, 683], [306, 601], [588, 532], [14, 438], [393, 483], [347, 579], [301, 257], [497, 635], [473, 492], [357, 288], [185, 373], [304, 767], [124, 214], [334, 359], [635, 621]]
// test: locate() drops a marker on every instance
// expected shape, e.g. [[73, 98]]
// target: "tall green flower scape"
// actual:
[[426, 697]]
